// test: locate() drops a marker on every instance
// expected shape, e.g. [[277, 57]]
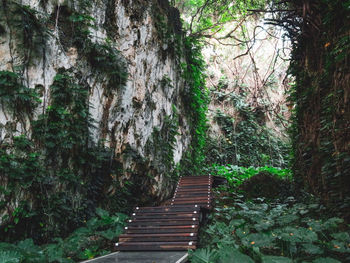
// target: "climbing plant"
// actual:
[[196, 100], [62, 168], [245, 139], [162, 144], [320, 98], [26, 30], [16, 97]]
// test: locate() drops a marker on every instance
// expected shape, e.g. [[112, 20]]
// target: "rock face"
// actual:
[[123, 54]]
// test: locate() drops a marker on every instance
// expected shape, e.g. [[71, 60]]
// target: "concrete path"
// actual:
[[143, 257]]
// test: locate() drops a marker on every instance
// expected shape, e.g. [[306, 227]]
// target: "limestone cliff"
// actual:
[[121, 53]]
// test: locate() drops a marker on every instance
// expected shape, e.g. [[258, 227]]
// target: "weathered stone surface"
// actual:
[[125, 118]]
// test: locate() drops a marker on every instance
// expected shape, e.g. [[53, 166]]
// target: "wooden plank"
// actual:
[[205, 193], [129, 246], [189, 187], [164, 219], [184, 208], [156, 213], [193, 234], [161, 216], [158, 238], [164, 223], [193, 198], [160, 230], [172, 227], [197, 202]]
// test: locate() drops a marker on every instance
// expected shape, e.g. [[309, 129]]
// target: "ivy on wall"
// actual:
[[196, 99], [60, 168], [162, 145], [246, 140], [188, 53], [16, 97], [321, 113]]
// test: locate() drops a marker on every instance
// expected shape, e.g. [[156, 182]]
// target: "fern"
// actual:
[[10, 257], [204, 255]]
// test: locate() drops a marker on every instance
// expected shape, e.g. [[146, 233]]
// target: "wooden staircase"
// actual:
[[171, 227]]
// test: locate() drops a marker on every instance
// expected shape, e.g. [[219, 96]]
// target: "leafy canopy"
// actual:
[[205, 18]]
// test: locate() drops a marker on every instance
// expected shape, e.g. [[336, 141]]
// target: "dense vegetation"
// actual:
[[266, 212], [56, 167], [300, 218], [320, 62], [258, 218], [94, 238]]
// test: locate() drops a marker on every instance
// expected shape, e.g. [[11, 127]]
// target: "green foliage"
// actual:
[[61, 169], [30, 25], [27, 27], [289, 231], [81, 24], [162, 144], [168, 27], [15, 97], [84, 243], [20, 165], [246, 140], [107, 60], [203, 256], [321, 69], [102, 56], [208, 17], [196, 100], [236, 175], [66, 121]]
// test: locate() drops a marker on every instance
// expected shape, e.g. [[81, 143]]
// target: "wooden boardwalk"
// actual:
[[171, 227]]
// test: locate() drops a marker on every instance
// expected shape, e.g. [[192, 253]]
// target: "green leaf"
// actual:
[[287, 219], [203, 255], [264, 225], [258, 240], [326, 260], [232, 255], [312, 249], [108, 234], [54, 252], [333, 222], [10, 257], [241, 233], [276, 259], [343, 236], [237, 222]]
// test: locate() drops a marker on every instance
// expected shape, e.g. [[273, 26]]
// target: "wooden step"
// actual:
[[164, 219], [163, 216], [171, 227], [155, 213], [173, 237], [161, 229], [184, 198], [132, 246], [177, 222], [182, 208], [197, 202]]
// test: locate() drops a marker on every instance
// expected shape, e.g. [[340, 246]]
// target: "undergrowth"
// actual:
[[94, 239], [242, 229], [236, 175]]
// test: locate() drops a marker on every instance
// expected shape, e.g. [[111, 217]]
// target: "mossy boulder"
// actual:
[[267, 185]]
